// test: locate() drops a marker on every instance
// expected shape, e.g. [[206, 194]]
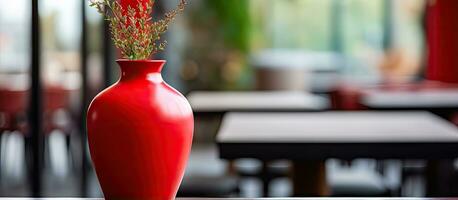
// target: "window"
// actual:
[[367, 33]]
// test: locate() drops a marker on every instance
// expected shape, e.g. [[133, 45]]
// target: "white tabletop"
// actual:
[[255, 101], [335, 127], [433, 98]]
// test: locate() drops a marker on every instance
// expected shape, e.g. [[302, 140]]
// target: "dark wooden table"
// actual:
[[441, 101], [255, 101], [310, 138], [210, 106]]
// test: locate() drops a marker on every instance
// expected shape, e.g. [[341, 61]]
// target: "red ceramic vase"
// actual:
[[140, 134]]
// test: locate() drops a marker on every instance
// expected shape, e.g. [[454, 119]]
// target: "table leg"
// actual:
[[439, 178], [265, 179], [309, 179]]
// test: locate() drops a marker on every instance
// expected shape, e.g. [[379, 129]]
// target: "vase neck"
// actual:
[[141, 69]]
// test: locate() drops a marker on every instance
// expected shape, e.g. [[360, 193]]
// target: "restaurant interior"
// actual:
[[291, 98]]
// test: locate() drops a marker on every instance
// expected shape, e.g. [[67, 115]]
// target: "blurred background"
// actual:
[[52, 65]]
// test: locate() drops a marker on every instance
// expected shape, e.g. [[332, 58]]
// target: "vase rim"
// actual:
[[141, 61]]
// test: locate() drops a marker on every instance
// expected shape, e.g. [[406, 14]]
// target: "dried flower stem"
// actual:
[[133, 30]]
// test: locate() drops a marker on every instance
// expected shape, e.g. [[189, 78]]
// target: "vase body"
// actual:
[[140, 134]]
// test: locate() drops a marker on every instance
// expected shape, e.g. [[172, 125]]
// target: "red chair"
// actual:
[[346, 97], [14, 107], [13, 110], [56, 99]]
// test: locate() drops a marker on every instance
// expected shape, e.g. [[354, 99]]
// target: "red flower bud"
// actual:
[[135, 4]]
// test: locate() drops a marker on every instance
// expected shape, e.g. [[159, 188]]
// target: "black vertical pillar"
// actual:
[[84, 99], [35, 106], [159, 12], [107, 54]]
